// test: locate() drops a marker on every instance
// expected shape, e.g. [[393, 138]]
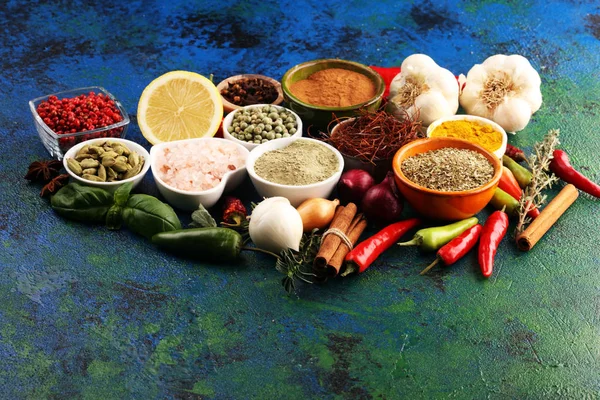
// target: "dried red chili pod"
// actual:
[[234, 212], [515, 153]]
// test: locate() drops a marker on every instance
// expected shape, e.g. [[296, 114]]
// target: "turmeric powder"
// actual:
[[482, 134]]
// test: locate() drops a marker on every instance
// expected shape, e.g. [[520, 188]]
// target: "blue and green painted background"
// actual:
[[95, 314]]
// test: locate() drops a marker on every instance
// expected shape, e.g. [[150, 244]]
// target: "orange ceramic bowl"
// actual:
[[434, 204]]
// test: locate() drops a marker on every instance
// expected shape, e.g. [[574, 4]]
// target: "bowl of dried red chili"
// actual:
[[67, 118], [249, 89], [446, 178]]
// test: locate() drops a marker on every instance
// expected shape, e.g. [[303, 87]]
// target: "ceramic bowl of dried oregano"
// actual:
[[446, 178]]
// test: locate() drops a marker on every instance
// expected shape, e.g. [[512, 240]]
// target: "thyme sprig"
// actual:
[[539, 163], [297, 265]]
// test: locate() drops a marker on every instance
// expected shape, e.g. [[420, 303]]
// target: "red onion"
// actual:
[[382, 202], [353, 185]]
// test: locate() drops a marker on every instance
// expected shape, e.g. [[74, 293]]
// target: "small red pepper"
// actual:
[[562, 167], [493, 232], [234, 212], [515, 153], [456, 248], [367, 251], [509, 183]]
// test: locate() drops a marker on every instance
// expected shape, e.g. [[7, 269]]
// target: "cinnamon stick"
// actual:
[[549, 215], [331, 242], [357, 227]]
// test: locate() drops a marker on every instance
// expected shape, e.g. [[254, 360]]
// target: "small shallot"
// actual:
[[353, 185], [382, 203], [317, 213]]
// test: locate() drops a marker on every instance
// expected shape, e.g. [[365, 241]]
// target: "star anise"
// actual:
[[43, 170], [55, 184]]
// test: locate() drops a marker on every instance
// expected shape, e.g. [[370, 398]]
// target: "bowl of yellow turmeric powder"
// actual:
[[320, 91], [477, 130]]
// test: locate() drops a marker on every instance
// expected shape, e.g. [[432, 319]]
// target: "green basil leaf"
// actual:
[[82, 203], [201, 218], [122, 193], [114, 217], [146, 215]]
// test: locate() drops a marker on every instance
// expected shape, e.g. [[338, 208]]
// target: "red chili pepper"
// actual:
[[562, 167], [509, 183], [456, 248], [515, 153], [493, 232], [234, 212], [367, 251]]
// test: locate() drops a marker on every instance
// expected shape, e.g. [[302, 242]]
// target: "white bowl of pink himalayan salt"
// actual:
[[197, 171]]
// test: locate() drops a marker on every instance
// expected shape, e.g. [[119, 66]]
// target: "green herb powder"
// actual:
[[448, 169], [301, 163]]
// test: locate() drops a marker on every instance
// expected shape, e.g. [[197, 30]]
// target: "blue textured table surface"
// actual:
[[91, 313]]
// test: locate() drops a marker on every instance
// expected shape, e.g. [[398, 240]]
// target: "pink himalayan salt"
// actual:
[[200, 165]]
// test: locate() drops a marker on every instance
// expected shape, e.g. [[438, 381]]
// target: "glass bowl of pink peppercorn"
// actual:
[[66, 118]]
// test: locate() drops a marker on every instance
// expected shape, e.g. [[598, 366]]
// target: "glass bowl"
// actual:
[[58, 144]]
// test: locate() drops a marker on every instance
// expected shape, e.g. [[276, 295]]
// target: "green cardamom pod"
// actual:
[[133, 159], [132, 172], [102, 172], [96, 150], [89, 163], [110, 173], [120, 166], [74, 166], [89, 171], [108, 161], [92, 178]]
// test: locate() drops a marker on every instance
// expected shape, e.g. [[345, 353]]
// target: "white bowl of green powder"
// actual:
[[295, 168]]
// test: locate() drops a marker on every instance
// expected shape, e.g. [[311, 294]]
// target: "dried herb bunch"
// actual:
[[539, 163], [374, 135]]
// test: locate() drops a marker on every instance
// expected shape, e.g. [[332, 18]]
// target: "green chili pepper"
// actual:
[[212, 244], [431, 239], [501, 200], [522, 174]]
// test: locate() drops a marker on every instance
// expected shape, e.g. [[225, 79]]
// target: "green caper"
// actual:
[[278, 136], [230, 129], [270, 135], [278, 129], [273, 115], [258, 130], [289, 126], [243, 125], [248, 137], [285, 135]]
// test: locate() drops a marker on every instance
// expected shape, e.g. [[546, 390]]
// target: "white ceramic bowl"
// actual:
[[190, 200], [295, 194], [110, 186], [480, 120], [229, 120]]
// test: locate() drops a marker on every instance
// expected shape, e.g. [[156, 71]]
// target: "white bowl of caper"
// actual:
[[260, 123], [107, 163]]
